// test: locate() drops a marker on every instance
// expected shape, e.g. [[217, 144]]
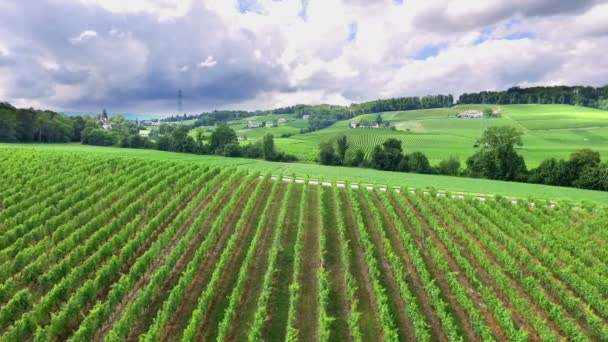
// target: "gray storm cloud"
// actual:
[[73, 55]]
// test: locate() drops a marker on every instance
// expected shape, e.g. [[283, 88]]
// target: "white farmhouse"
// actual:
[[470, 114], [105, 123]]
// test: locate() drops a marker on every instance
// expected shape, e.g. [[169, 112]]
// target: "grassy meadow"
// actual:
[[549, 131], [335, 173]]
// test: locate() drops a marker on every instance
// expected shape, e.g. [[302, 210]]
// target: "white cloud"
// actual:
[[210, 62], [83, 37], [117, 33], [162, 9], [138, 52]]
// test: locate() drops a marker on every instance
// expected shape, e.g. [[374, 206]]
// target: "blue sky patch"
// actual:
[[352, 31], [520, 35], [429, 51]]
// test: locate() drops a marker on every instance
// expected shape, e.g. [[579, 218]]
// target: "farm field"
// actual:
[[100, 247], [549, 131], [332, 173]]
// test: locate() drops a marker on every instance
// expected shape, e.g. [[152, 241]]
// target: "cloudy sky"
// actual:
[[134, 55]]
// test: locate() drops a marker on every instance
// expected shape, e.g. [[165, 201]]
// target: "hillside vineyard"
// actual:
[[106, 248]]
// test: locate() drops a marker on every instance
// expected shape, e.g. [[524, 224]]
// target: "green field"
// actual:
[[104, 244], [549, 131], [292, 126], [335, 173]]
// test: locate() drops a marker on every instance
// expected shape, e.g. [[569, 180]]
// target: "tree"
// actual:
[[498, 159], [418, 163], [327, 155], [379, 119], [8, 123], [99, 137], [505, 137], [79, 125], [268, 147], [450, 167], [354, 158], [342, 147], [232, 150], [582, 159], [594, 178], [387, 156], [221, 136], [163, 143], [488, 112]]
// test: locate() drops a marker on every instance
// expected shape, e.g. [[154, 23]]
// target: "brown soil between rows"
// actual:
[[540, 312], [404, 323], [180, 318], [414, 280], [145, 319], [461, 315], [485, 278], [71, 328], [477, 299], [278, 301], [339, 306], [208, 327], [583, 255], [548, 291], [369, 321], [253, 287], [109, 322], [307, 309], [37, 290]]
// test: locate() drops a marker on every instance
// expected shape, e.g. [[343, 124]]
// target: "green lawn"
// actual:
[[549, 131], [454, 184]]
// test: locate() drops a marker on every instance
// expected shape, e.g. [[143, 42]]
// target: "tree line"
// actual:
[[30, 125], [497, 159], [223, 141], [578, 96], [322, 115]]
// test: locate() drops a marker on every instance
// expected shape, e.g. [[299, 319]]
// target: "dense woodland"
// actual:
[[579, 96], [29, 125]]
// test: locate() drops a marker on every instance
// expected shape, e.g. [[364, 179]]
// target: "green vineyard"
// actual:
[[101, 248]]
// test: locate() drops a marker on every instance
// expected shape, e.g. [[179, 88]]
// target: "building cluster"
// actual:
[[105, 122], [359, 124], [470, 114]]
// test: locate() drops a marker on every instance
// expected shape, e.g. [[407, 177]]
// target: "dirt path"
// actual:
[[246, 309], [179, 319], [462, 317], [338, 307], [414, 280], [397, 304], [370, 321], [278, 303], [476, 298], [307, 312], [145, 319], [207, 329]]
